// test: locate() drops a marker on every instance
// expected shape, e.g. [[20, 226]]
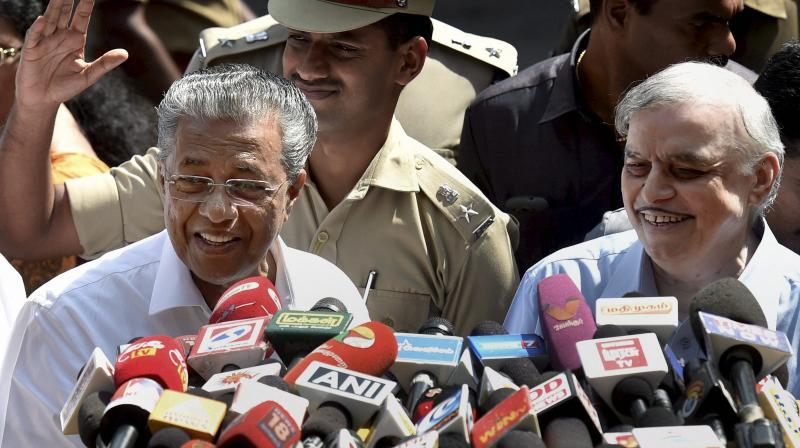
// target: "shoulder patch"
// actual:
[[465, 207], [494, 52], [253, 35]]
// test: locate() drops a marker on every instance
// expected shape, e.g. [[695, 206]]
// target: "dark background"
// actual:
[[532, 26]]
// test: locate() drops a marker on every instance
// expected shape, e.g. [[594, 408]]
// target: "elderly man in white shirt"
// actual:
[[234, 145], [703, 159]]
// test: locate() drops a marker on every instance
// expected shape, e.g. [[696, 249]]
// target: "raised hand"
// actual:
[[52, 68]]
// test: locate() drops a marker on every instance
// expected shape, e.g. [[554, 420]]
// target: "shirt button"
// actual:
[[322, 237], [419, 164]]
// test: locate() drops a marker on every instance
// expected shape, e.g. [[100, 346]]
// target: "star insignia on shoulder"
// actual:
[[467, 211]]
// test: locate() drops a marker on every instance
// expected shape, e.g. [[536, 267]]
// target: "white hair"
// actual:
[[697, 82], [245, 94]]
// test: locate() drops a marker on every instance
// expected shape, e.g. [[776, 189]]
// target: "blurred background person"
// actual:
[[160, 35], [779, 83], [760, 29]]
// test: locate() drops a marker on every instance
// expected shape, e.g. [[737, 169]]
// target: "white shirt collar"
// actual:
[[175, 288]]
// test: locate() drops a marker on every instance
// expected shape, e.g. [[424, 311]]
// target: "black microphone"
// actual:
[[518, 438], [90, 415], [170, 437], [566, 432], [328, 419]]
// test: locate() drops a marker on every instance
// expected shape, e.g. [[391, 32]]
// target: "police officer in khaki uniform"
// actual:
[[760, 29], [398, 219], [431, 109]]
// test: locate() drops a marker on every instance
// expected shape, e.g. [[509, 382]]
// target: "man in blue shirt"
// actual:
[[703, 158]]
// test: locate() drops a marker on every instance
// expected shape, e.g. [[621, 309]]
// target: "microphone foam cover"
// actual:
[[437, 325], [451, 440], [565, 320], [517, 438], [488, 328], [170, 437], [727, 297], [608, 331], [274, 381], [521, 371], [331, 304], [369, 348], [495, 398], [245, 299], [656, 417], [159, 358], [567, 432], [90, 414], [327, 419], [628, 389]]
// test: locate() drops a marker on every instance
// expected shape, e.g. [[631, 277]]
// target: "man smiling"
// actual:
[[703, 158], [234, 143]]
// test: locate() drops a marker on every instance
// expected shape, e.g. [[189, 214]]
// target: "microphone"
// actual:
[[437, 325], [565, 320], [431, 399], [267, 425], [225, 382], [567, 432], [517, 438], [250, 393], [296, 333], [238, 344], [492, 346], [95, 376], [170, 437], [640, 315], [344, 438], [391, 425], [608, 361], [781, 409], [329, 304], [515, 412], [742, 351], [370, 348], [124, 421], [360, 394], [464, 373], [159, 358], [424, 361], [428, 440], [197, 416], [707, 400], [562, 396], [677, 436], [492, 381], [328, 419], [246, 299], [452, 416], [90, 415]]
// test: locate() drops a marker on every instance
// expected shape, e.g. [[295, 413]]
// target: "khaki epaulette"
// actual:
[[772, 8], [467, 209], [253, 35], [494, 52]]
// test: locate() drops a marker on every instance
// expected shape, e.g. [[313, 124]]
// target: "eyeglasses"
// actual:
[[7, 55], [243, 192]]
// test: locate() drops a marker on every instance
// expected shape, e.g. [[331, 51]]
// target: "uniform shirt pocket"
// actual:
[[403, 311]]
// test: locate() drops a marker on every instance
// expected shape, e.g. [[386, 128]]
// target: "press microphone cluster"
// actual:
[[609, 376]]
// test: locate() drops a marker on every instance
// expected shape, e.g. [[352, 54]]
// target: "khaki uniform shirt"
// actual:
[[437, 244]]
